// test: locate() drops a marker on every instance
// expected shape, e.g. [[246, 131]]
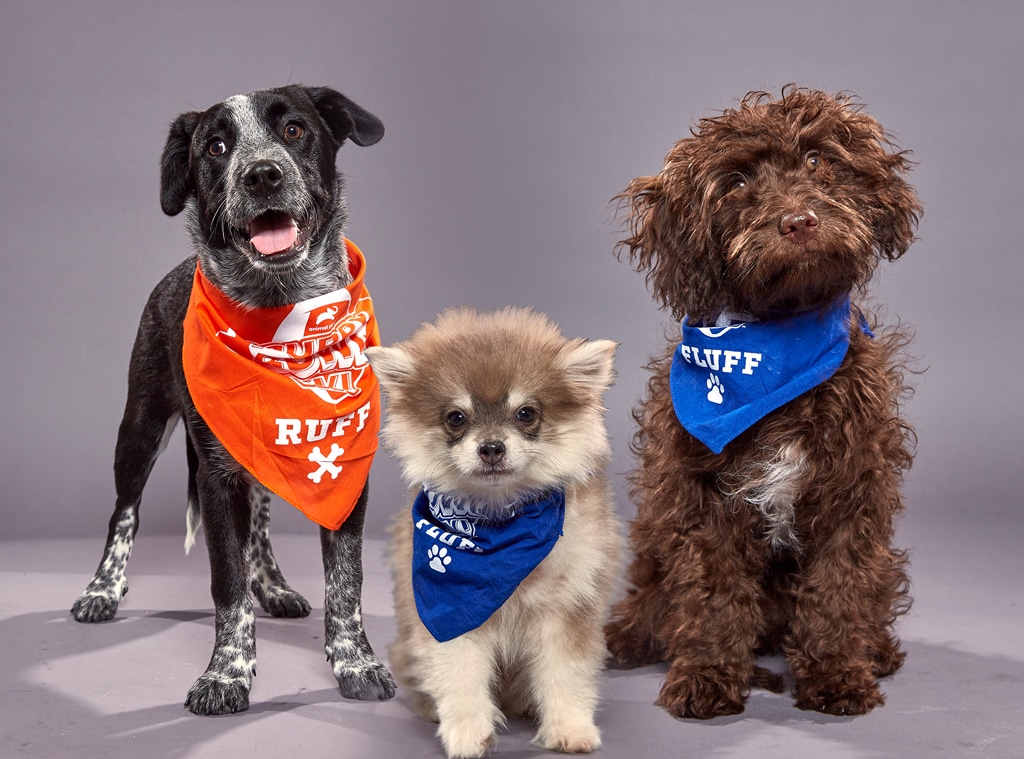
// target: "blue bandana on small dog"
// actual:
[[466, 565], [726, 378]]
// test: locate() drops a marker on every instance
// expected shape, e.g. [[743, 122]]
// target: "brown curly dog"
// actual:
[[772, 213]]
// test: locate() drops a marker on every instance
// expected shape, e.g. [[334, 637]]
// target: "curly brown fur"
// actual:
[[782, 541]]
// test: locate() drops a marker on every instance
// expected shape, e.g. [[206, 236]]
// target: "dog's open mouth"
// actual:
[[275, 233]]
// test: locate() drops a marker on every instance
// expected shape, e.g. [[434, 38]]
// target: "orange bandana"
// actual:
[[288, 391]]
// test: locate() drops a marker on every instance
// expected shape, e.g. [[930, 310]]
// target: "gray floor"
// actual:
[[116, 689]]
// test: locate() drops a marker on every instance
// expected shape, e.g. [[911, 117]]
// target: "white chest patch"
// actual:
[[773, 488]]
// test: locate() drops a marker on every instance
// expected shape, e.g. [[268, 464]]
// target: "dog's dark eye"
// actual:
[[527, 415], [293, 131], [737, 182], [217, 147], [456, 420], [813, 160]]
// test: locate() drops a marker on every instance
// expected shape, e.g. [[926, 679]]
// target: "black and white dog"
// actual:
[[253, 168]]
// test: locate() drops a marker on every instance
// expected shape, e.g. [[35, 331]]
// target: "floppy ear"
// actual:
[[176, 183], [900, 210], [393, 366], [893, 203], [668, 238], [589, 365], [345, 119], [894, 230]]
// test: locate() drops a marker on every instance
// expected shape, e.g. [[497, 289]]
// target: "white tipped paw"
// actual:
[[98, 605], [214, 694], [577, 739], [466, 741]]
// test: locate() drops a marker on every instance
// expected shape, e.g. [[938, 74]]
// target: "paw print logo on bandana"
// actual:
[[715, 389], [439, 558]]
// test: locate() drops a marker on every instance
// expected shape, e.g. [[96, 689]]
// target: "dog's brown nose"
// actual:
[[799, 226], [491, 451]]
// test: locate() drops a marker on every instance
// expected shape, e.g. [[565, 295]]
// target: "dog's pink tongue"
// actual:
[[272, 233]]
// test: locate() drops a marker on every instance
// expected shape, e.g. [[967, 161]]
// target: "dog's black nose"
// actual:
[[491, 451], [263, 177], [799, 226]]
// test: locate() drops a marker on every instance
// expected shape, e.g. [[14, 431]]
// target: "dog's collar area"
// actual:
[[442, 506], [727, 318]]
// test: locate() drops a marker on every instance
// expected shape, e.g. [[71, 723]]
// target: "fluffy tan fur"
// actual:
[[784, 539], [541, 653]]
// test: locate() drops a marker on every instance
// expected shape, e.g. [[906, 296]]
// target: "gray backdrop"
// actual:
[[509, 128]]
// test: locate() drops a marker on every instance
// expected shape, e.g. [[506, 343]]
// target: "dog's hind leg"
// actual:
[[145, 429], [359, 672], [273, 592], [267, 582]]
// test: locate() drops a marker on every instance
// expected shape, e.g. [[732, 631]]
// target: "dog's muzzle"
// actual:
[[273, 227]]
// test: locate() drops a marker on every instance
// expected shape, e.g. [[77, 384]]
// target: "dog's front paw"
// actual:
[[216, 694], [569, 739], [467, 740], [701, 693], [98, 605], [843, 698], [364, 682]]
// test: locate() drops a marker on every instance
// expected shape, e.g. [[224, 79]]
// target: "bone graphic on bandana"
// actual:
[[327, 465]]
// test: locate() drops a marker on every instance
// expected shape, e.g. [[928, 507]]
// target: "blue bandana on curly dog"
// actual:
[[727, 377], [466, 565]]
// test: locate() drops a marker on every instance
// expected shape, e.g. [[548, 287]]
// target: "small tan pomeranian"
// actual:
[[505, 567]]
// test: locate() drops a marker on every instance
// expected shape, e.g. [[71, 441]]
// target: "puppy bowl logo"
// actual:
[[716, 332], [459, 516], [321, 320], [320, 345]]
